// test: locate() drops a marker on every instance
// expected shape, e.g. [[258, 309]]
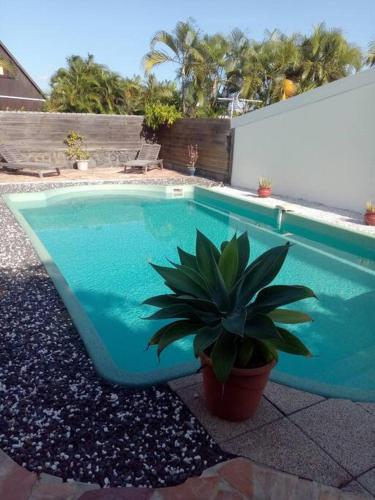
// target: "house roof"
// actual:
[[16, 63]]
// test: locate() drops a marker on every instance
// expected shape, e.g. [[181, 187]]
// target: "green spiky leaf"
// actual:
[[275, 296], [289, 316], [228, 263], [205, 337], [290, 343], [223, 356]]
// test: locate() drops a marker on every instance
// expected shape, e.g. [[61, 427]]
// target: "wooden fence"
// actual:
[[113, 139], [213, 137], [110, 139]]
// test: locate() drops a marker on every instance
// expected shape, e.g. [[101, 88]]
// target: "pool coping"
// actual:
[[99, 354]]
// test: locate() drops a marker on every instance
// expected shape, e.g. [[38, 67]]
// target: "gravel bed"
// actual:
[[56, 414]]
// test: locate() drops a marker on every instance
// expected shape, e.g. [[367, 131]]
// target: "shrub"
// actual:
[[75, 150], [157, 114]]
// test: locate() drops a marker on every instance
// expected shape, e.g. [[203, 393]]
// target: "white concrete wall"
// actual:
[[318, 146]]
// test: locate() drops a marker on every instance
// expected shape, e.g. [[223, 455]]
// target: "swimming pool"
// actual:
[[97, 242]]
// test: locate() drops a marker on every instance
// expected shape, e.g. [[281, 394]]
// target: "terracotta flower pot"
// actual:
[[239, 397], [264, 192], [370, 218]]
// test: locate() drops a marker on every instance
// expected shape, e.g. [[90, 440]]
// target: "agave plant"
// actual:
[[225, 302], [265, 183]]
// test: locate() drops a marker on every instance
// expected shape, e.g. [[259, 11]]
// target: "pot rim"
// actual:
[[240, 372]]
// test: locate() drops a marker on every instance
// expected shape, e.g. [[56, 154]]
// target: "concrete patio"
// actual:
[[330, 441], [93, 174]]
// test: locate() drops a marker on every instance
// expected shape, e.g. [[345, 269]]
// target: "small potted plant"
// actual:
[[193, 158], [224, 300], [75, 151], [265, 188], [369, 218]]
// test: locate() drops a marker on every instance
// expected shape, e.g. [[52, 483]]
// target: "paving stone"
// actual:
[[118, 494], [355, 487], [342, 428], [15, 481], [207, 488], [222, 430], [289, 400], [370, 407], [49, 490], [49, 478], [368, 480], [238, 473], [179, 383], [236, 479], [283, 446]]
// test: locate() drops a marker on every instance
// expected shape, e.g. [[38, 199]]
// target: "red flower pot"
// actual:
[[239, 397], [370, 218], [264, 192]]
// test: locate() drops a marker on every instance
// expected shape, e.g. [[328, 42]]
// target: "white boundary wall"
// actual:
[[318, 146]]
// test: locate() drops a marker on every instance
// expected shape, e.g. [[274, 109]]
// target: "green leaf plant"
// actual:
[[225, 301]]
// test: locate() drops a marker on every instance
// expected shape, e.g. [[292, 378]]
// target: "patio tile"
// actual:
[[343, 429], [355, 487], [289, 400], [222, 430], [179, 383], [368, 480], [370, 407], [283, 446]]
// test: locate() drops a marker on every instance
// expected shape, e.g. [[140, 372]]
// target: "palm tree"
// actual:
[[280, 58], [327, 56], [262, 68], [181, 47], [164, 92], [86, 87], [215, 51]]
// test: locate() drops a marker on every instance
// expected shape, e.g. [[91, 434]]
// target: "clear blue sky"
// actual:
[[42, 33]]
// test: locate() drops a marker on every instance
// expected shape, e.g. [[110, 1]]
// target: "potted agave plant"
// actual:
[[75, 151], [369, 218], [193, 158], [224, 300], [265, 188]]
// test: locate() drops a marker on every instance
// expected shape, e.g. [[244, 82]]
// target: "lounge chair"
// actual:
[[11, 160], [147, 157]]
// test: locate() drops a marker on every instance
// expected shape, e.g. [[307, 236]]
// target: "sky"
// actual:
[[42, 33]]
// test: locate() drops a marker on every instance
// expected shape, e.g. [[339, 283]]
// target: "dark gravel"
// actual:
[[56, 414]]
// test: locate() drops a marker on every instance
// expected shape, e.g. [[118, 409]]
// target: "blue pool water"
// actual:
[[103, 246]]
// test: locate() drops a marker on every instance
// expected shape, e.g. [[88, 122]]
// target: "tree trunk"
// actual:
[[183, 92]]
